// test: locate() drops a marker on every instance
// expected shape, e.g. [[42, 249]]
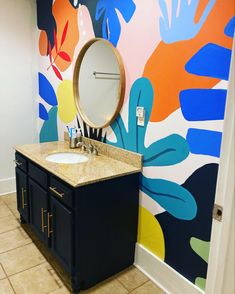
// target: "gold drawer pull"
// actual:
[[49, 231], [22, 197], [42, 216], [53, 189], [17, 162]]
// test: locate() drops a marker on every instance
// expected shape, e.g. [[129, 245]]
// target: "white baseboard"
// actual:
[[7, 186], [169, 280]]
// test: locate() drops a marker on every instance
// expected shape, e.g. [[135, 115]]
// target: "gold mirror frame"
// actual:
[[121, 89]]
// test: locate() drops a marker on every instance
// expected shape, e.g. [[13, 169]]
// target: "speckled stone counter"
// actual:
[[110, 163]]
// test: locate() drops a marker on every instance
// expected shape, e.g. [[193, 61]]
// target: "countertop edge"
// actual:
[[71, 183]]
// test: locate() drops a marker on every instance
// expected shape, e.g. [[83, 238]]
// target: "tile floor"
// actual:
[[24, 270]]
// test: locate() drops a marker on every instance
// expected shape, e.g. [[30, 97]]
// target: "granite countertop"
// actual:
[[106, 165]]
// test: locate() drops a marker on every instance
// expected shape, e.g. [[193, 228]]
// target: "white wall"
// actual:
[[18, 83]]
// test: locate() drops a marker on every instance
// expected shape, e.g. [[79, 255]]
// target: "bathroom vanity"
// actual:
[[86, 213]]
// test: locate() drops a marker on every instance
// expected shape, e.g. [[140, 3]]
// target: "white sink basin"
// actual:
[[67, 157]]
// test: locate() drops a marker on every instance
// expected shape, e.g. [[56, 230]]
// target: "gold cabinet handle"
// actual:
[[22, 197], [42, 218], [17, 162], [53, 189], [49, 231]]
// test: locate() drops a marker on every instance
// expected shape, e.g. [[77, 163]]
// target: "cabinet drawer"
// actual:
[[38, 174], [21, 162], [61, 191]]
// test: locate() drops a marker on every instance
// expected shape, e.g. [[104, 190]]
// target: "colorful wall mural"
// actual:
[[177, 58]]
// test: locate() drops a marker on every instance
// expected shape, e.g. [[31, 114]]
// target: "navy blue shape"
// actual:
[[74, 3], [177, 233], [45, 19], [97, 24], [43, 112], [204, 142], [203, 104], [230, 27], [212, 61]]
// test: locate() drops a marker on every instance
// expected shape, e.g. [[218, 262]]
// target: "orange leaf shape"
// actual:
[[55, 41], [56, 71], [64, 55], [49, 51], [64, 33]]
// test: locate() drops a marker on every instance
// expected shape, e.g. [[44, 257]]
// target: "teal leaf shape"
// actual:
[[49, 130], [178, 201], [167, 151]]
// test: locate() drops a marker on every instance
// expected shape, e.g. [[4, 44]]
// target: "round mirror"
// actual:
[[99, 83]]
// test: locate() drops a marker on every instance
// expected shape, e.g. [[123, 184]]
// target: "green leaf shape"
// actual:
[[201, 247], [201, 283]]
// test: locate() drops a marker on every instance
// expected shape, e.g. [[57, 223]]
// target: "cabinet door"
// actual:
[[22, 194], [39, 210], [61, 236]]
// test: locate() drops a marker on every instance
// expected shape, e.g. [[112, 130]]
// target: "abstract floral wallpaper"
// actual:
[[177, 58]]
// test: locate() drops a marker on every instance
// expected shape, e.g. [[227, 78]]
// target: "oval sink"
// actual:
[[67, 157]]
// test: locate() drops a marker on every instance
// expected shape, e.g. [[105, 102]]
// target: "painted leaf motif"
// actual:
[[56, 71], [49, 52], [64, 33], [178, 201], [167, 151], [55, 41], [43, 112], [46, 90], [49, 130], [111, 28], [64, 55]]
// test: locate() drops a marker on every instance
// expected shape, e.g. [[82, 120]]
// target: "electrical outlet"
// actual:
[[140, 111]]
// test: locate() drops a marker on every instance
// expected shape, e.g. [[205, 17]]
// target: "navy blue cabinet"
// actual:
[[22, 194], [61, 227], [39, 210], [90, 230]]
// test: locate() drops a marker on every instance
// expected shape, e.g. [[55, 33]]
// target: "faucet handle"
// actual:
[[90, 148], [95, 151]]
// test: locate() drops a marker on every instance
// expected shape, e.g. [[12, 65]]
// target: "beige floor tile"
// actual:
[[37, 280], [8, 223], [2, 274], [21, 258], [9, 198], [4, 210], [109, 287], [13, 239], [62, 290], [5, 287], [148, 288], [132, 278]]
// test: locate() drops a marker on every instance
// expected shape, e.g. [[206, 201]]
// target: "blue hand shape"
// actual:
[[182, 25], [111, 28]]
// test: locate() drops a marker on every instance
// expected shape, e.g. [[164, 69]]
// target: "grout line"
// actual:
[[8, 279], [15, 248], [9, 230], [26, 269], [130, 291]]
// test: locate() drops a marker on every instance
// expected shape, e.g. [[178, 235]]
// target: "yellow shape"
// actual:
[[150, 233], [66, 105]]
